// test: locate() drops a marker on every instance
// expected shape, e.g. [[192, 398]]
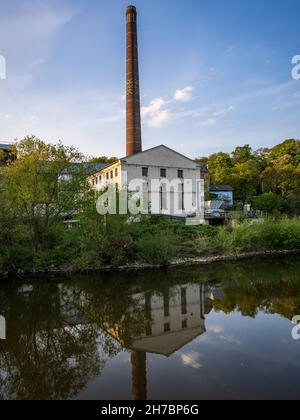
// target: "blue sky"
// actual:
[[214, 74]]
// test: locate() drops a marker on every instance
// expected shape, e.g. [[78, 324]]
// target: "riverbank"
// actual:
[[208, 260], [157, 242]]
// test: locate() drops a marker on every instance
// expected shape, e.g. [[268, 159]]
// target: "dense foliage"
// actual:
[[252, 173]]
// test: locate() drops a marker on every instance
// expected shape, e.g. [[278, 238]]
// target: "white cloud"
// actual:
[[184, 95], [216, 329], [160, 118], [191, 359], [231, 340], [153, 108], [156, 113], [211, 122], [215, 115], [223, 111]]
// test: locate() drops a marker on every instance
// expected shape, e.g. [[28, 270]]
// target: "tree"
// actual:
[[200, 160], [45, 186], [245, 179], [103, 159], [52, 351], [220, 167], [269, 202], [252, 173], [289, 148], [242, 154]]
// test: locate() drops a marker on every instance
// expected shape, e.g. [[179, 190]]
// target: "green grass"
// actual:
[[265, 235], [152, 240]]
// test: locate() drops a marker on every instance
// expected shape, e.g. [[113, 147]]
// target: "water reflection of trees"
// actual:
[[272, 286], [50, 352], [61, 333], [113, 308]]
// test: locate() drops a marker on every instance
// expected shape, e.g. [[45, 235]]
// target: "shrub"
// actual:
[[269, 202], [156, 249], [270, 234]]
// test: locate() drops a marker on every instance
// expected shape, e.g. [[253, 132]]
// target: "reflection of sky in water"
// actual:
[[238, 357]]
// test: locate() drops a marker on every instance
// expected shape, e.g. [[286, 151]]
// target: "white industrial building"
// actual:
[[168, 182]]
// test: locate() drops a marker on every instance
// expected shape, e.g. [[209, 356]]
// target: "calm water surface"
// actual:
[[215, 332]]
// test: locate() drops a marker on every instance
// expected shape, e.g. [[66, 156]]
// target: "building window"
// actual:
[[183, 302], [107, 175], [111, 174], [148, 306], [116, 172], [100, 179], [167, 327], [163, 198], [166, 304], [180, 174], [148, 330], [184, 324], [93, 181], [163, 173], [145, 172]]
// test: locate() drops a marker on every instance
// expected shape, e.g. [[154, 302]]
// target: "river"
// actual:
[[221, 331]]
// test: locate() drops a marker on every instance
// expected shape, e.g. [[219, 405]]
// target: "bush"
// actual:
[[269, 202], [265, 235], [156, 249], [269, 235]]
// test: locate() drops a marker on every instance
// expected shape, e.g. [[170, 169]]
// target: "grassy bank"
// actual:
[[151, 240], [159, 241], [267, 235]]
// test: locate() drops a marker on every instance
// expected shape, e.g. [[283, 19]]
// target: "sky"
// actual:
[[214, 74]]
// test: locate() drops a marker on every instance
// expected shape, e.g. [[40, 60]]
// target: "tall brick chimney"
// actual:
[[133, 107]]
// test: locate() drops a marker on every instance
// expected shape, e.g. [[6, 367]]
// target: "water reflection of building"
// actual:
[[171, 320]]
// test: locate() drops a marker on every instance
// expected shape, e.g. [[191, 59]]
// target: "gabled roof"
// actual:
[[158, 147], [203, 167]]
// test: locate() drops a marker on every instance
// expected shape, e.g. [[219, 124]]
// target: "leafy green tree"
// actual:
[[242, 154], [269, 202], [220, 167], [289, 148], [45, 186], [252, 173], [203, 159], [103, 159]]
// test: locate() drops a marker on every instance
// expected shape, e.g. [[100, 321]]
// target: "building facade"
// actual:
[[168, 182]]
